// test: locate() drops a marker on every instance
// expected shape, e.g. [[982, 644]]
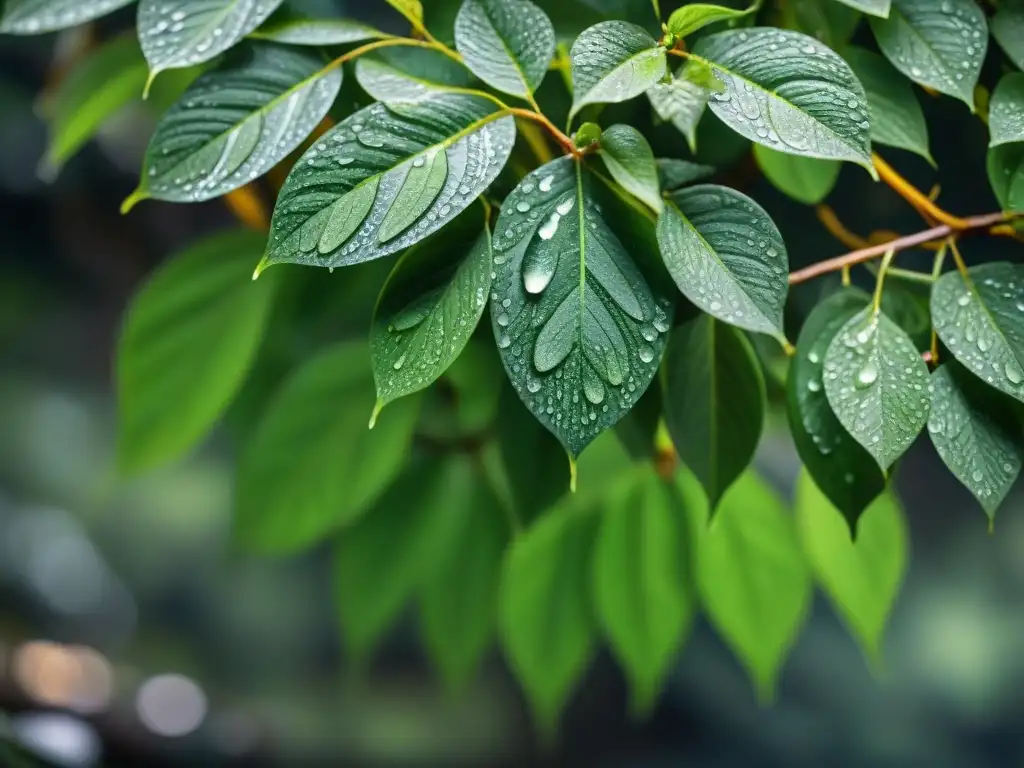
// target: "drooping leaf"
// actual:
[[681, 102], [861, 577], [614, 61], [579, 329], [630, 161], [1005, 166], [806, 179], [506, 43], [190, 335], [877, 385], [727, 256], [311, 465], [1006, 111], [33, 17], [940, 45], [825, 20], [673, 173], [1008, 30], [402, 75], [753, 579], [878, 8], [977, 433], [843, 470], [386, 177], [714, 402], [693, 16], [292, 29], [784, 89]]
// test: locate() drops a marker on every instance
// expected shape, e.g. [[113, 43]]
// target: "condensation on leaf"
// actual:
[[33, 17]]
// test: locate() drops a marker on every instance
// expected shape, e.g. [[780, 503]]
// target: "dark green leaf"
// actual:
[[32, 17], [826, 20], [879, 8], [805, 179], [1008, 30], [298, 30], [398, 75], [411, 9], [688, 19], [1006, 111], [629, 159], [1006, 175], [673, 174], [681, 102], [639, 428]]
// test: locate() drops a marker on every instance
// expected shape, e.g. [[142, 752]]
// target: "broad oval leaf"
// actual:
[[872, 7], [190, 336], [188, 32], [843, 470], [1005, 166], [789, 92], [311, 465], [33, 17], [506, 43], [940, 45], [714, 402], [614, 61], [977, 435], [861, 577], [630, 160], [298, 30], [877, 385], [688, 19], [402, 75], [681, 102], [386, 177], [236, 123], [1008, 30], [727, 256], [580, 331], [805, 179], [1006, 111]]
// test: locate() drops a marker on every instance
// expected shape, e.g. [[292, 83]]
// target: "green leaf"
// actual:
[[727, 256], [1006, 175], [1006, 111], [753, 580], [877, 385], [825, 20], [784, 89], [805, 179], [862, 578], [688, 19], [880, 8], [673, 174], [642, 595], [382, 561], [33, 17], [614, 61], [682, 101], [189, 32], [714, 402], [630, 161], [236, 123], [897, 119], [637, 432], [311, 465], [411, 9], [977, 435], [843, 470], [980, 322], [190, 336], [298, 30], [398, 75], [579, 329], [429, 308], [506, 43], [545, 619], [940, 45], [1008, 30], [386, 177]]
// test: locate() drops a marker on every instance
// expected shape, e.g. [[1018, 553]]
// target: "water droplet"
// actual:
[[868, 375], [1014, 373]]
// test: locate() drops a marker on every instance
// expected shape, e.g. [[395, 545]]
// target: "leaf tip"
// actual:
[[377, 408], [572, 473], [149, 83], [261, 267], [132, 200]]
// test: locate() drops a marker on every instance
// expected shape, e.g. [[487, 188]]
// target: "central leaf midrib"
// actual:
[[938, 62], [616, 68]]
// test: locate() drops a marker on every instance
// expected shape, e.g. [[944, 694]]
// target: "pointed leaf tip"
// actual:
[[572, 473], [132, 200], [377, 408]]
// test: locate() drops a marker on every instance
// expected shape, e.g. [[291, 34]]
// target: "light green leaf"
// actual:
[[1008, 30], [714, 402], [630, 161], [311, 465], [688, 19], [236, 123], [614, 61], [189, 32], [298, 30], [878, 8], [940, 45], [727, 256], [189, 339], [681, 102], [1006, 175], [642, 592], [1006, 111], [506, 43], [429, 308], [877, 385], [862, 578], [346, 197], [673, 173], [843, 470], [977, 433], [33, 17], [789, 92], [403, 75], [579, 329], [805, 179], [753, 580], [979, 320]]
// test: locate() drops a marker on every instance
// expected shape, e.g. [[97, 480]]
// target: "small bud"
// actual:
[[587, 134]]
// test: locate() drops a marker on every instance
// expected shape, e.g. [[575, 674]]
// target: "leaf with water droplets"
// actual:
[[789, 92], [188, 32], [977, 433], [429, 307], [688, 19], [842, 469], [939, 44], [673, 173], [402, 75], [386, 177], [714, 402], [33, 17], [614, 61], [727, 256], [629, 159], [579, 329], [981, 321], [236, 123], [877, 385], [287, 27], [681, 102], [506, 43], [1005, 166], [1008, 29], [1006, 111], [872, 7], [805, 179]]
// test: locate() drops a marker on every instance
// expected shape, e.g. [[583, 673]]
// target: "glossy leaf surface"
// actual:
[[630, 161], [400, 75], [1006, 111], [805, 179], [614, 61], [681, 102], [33, 17], [1008, 30]]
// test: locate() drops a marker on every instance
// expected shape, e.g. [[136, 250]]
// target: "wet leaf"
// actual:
[[285, 27], [805, 179], [1006, 111], [1008, 30], [873, 7], [681, 102], [629, 159], [688, 19], [33, 17], [673, 174], [1006, 175], [401, 75]]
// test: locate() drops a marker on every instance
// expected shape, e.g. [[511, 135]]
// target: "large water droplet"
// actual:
[[867, 376], [1014, 373]]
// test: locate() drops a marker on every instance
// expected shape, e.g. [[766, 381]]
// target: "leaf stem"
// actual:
[[541, 119], [880, 282], [920, 201], [958, 258]]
